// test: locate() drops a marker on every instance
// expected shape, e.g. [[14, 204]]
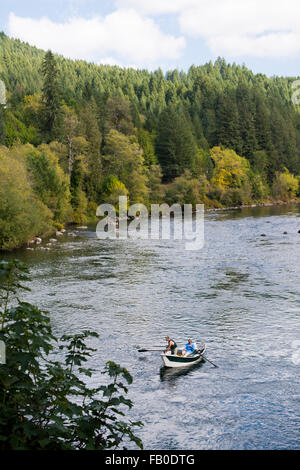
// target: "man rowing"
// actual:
[[172, 346]]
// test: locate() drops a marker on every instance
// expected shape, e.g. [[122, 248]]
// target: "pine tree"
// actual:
[[51, 97], [198, 131], [246, 121], [228, 128], [262, 123], [175, 146]]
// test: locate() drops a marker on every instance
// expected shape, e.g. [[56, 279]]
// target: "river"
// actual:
[[239, 295]]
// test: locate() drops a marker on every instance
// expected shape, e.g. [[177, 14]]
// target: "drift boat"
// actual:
[[178, 360]]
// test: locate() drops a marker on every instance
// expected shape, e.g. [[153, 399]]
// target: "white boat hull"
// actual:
[[173, 360]]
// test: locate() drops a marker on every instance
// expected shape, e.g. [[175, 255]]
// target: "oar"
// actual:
[[151, 350], [204, 357], [160, 346]]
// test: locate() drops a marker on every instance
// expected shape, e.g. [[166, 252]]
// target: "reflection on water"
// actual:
[[239, 295], [169, 374]]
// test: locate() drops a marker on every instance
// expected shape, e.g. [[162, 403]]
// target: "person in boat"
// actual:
[[190, 348], [172, 346]]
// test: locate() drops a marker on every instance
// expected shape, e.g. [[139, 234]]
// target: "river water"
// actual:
[[239, 295]]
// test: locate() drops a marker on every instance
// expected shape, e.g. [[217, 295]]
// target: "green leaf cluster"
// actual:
[[45, 402]]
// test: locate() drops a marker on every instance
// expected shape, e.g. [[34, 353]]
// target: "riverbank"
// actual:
[[47, 240], [270, 203]]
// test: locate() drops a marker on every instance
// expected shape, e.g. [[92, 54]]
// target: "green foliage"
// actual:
[[45, 404], [147, 142], [186, 189], [51, 96], [259, 189], [228, 104], [285, 185], [17, 132], [227, 117], [119, 116], [22, 214], [124, 159], [113, 189], [231, 170], [49, 182], [156, 189], [89, 127], [175, 146], [260, 162], [231, 177], [78, 197], [145, 129]]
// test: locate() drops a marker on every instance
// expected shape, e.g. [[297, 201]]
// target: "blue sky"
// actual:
[[263, 34]]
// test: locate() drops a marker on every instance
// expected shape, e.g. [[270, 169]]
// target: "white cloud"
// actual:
[[124, 33], [109, 61], [258, 28], [156, 7], [233, 28], [112, 61]]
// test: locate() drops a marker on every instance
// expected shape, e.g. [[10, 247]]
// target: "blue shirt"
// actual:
[[190, 347]]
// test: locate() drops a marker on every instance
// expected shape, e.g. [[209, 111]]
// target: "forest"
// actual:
[[75, 134]]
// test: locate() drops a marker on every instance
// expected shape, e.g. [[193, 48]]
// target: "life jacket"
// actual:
[[190, 347], [173, 347]]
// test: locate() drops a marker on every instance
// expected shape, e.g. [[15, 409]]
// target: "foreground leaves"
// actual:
[[45, 403]]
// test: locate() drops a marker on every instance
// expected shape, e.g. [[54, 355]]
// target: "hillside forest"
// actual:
[[75, 134]]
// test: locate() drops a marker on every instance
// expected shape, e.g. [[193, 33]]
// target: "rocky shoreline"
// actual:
[[37, 242], [262, 204]]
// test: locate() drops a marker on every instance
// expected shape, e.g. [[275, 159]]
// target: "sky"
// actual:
[[262, 34]]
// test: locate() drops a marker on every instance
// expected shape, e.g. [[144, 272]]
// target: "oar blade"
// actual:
[[205, 358], [149, 350]]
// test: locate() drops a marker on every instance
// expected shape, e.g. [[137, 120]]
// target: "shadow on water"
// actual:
[[170, 374], [233, 279]]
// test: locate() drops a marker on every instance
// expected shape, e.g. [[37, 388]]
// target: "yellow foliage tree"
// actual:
[[231, 170], [285, 185], [231, 177], [22, 214]]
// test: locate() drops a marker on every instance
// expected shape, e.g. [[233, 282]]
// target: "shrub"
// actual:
[[45, 404], [187, 189], [285, 185], [22, 214]]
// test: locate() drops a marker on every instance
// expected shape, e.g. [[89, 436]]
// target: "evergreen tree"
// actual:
[[51, 97], [228, 126], [78, 197], [262, 123], [175, 146], [198, 131], [246, 122]]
